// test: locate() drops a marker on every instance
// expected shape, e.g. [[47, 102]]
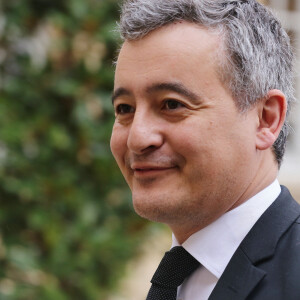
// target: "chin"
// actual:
[[147, 210], [151, 208], [159, 209]]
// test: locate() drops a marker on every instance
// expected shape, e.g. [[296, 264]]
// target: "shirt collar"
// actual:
[[214, 245]]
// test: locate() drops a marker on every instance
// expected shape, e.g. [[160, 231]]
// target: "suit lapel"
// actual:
[[238, 280], [242, 273]]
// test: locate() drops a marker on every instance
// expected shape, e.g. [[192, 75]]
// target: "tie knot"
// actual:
[[176, 265]]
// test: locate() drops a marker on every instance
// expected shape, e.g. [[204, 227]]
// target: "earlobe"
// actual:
[[265, 139], [272, 113]]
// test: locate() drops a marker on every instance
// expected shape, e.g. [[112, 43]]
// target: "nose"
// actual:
[[145, 133]]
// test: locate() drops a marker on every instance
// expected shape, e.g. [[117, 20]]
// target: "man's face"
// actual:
[[186, 152]]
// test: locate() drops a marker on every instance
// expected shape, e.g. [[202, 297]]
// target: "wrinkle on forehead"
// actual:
[[181, 49]]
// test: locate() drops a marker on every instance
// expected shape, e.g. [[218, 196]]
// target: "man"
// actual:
[[202, 89]]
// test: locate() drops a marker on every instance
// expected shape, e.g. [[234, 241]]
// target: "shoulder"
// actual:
[[282, 269], [289, 244]]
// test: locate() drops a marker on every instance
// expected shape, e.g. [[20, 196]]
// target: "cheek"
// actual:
[[206, 146], [193, 139], [118, 143]]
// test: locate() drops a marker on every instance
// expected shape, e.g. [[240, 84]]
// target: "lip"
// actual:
[[150, 170]]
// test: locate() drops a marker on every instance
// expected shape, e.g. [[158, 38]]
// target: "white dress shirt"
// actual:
[[214, 245]]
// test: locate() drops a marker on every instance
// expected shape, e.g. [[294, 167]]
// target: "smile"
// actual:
[[151, 171]]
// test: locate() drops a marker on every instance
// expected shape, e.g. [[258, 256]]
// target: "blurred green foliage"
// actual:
[[67, 227]]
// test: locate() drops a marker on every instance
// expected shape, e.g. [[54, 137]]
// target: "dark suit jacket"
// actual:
[[266, 266]]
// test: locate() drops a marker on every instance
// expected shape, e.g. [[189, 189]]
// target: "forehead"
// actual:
[[180, 51]]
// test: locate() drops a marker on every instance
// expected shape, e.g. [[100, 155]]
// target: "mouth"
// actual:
[[151, 171]]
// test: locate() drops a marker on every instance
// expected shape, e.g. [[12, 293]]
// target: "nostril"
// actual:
[[141, 139], [151, 147]]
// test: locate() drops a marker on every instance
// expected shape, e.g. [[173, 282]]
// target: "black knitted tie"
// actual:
[[176, 265]]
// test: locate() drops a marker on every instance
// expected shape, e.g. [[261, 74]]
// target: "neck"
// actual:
[[267, 172]]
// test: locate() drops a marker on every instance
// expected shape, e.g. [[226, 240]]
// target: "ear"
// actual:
[[272, 114]]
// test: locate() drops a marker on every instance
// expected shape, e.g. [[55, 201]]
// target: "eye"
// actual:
[[172, 104], [124, 109]]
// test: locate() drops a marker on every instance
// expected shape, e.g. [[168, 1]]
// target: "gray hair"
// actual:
[[258, 53]]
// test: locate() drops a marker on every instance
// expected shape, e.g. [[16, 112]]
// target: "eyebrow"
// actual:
[[120, 92], [176, 87], [157, 87]]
